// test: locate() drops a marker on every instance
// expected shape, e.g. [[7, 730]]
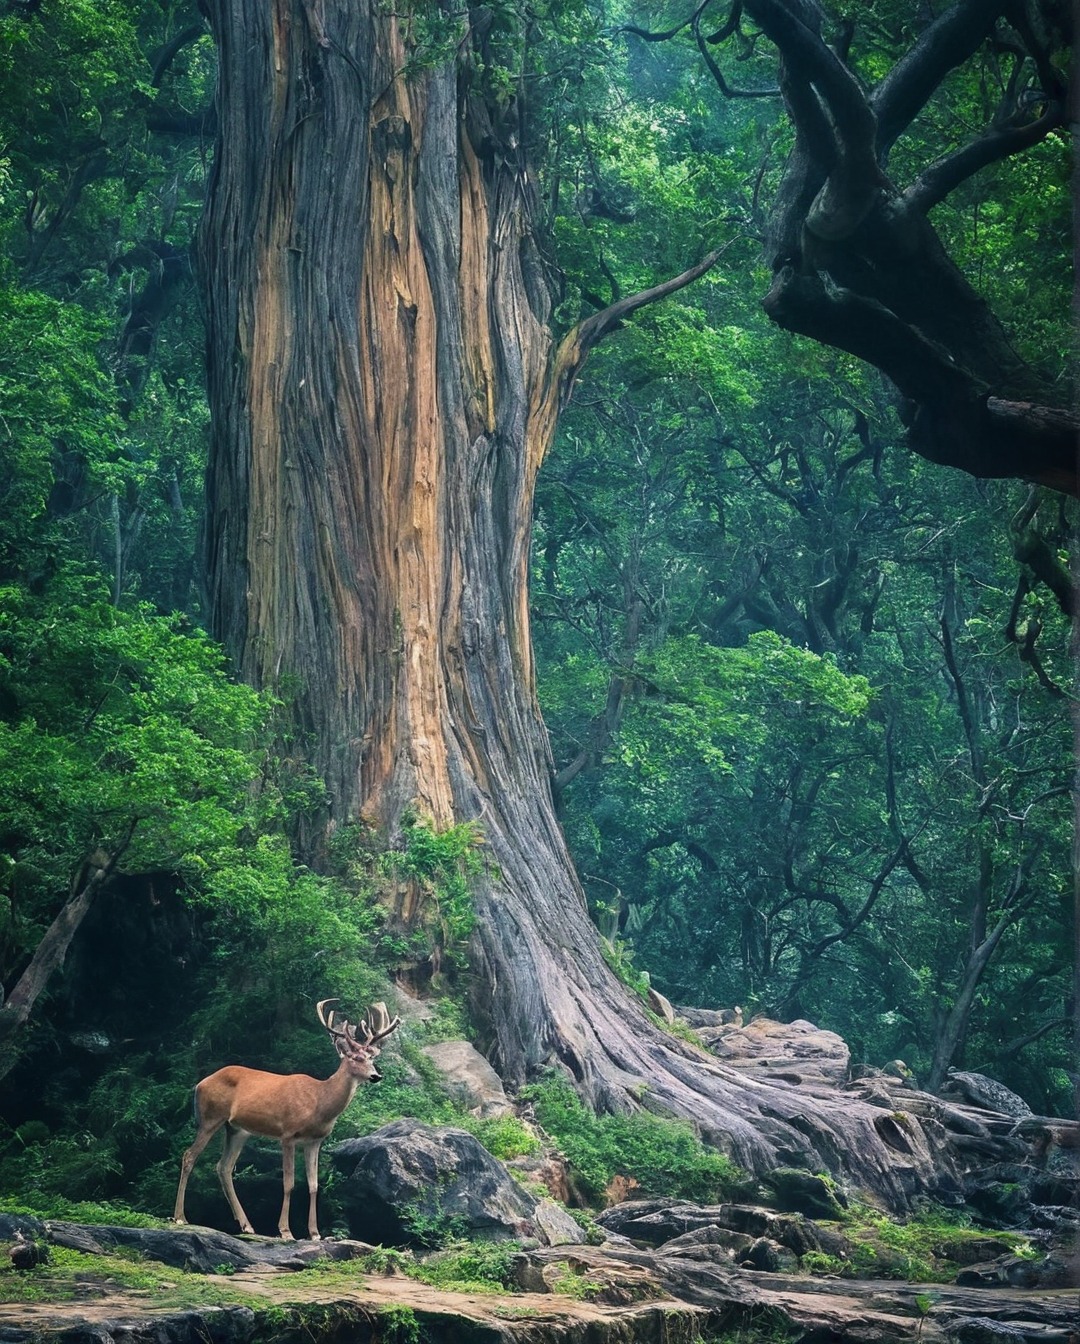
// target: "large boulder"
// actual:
[[469, 1078], [793, 1052], [410, 1183], [979, 1090]]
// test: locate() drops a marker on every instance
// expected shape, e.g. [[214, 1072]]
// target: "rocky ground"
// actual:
[[616, 1293]]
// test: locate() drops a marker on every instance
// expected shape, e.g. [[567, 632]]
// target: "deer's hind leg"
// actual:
[[235, 1138], [202, 1138]]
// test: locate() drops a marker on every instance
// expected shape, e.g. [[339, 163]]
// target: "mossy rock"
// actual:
[[794, 1191]]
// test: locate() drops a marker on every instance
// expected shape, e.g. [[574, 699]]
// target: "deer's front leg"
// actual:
[[311, 1172], [288, 1179]]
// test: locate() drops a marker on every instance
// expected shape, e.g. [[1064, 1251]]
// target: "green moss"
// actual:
[[79, 1211], [463, 1267], [576, 1284], [68, 1274], [919, 1250]]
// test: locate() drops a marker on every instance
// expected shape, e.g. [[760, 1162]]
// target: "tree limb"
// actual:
[[804, 49], [579, 342], [714, 69], [163, 58], [945, 44], [999, 142], [1019, 1043], [1032, 549], [51, 951], [175, 121]]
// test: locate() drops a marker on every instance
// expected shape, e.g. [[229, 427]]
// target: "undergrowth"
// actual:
[[471, 1266], [664, 1157], [920, 1250], [79, 1211]]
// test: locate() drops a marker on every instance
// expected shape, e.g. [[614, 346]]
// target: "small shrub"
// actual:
[[386, 1260], [504, 1136], [818, 1262], [430, 1230], [576, 1284], [473, 1266], [398, 1324], [594, 1233], [665, 1157], [443, 863]]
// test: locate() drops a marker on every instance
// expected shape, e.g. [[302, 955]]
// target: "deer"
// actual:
[[292, 1108]]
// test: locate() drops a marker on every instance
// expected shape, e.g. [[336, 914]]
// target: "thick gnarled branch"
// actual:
[[946, 43]]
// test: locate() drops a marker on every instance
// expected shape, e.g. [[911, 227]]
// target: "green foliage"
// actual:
[[736, 832], [65, 1276], [470, 1267], [398, 1324], [504, 1136], [429, 1228], [727, 530], [55, 395], [399, 1094], [920, 1249], [112, 1213], [576, 1282], [114, 719], [664, 1156], [442, 863]]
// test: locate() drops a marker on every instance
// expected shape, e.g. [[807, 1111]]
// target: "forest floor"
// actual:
[[594, 1295]]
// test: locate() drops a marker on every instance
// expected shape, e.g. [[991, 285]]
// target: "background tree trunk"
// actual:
[[384, 385]]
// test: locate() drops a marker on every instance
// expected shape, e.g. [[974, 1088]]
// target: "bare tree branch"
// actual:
[[579, 343], [714, 69], [52, 949]]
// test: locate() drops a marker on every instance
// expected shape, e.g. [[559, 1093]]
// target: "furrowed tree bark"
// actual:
[[384, 385]]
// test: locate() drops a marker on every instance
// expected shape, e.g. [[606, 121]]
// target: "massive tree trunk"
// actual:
[[384, 385]]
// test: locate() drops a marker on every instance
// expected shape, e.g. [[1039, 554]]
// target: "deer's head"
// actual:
[[358, 1046]]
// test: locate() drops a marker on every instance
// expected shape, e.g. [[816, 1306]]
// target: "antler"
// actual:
[[376, 1026], [327, 1018]]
